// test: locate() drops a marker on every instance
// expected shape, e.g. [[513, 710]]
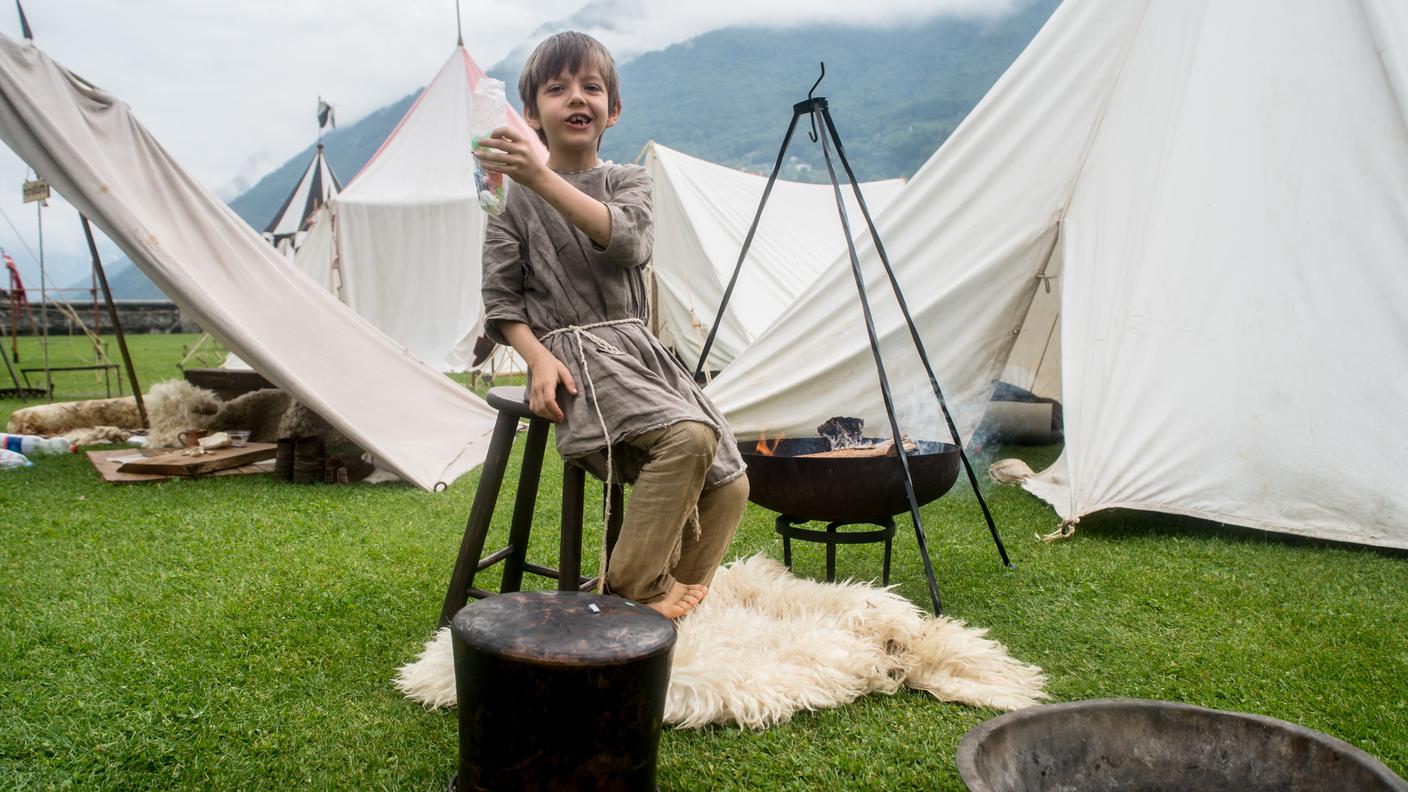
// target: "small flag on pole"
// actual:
[[24, 23], [325, 115], [16, 283]]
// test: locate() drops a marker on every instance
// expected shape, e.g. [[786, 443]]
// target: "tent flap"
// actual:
[[240, 289]]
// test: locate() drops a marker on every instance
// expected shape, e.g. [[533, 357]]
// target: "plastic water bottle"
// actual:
[[33, 445], [13, 459], [489, 111]]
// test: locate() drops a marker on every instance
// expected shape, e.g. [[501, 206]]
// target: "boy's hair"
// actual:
[[569, 52]]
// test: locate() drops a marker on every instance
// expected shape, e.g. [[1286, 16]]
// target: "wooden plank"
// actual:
[[108, 462], [179, 463]]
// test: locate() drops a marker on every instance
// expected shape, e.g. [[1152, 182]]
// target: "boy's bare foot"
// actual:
[[682, 599]]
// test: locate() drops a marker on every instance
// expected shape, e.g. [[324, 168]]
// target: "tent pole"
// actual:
[[97, 319], [15, 317], [747, 243], [116, 323], [44, 302], [913, 331]]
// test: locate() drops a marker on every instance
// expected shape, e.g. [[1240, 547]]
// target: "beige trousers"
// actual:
[[659, 543]]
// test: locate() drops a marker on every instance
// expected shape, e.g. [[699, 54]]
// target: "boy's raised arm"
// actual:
[[512, 156]]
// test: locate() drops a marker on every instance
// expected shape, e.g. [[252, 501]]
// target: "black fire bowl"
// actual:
[[1155, 746], [844, 489]]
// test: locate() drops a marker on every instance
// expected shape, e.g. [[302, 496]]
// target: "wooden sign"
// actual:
[[36, 190]]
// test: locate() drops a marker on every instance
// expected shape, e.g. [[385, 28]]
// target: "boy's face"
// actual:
[[573, 110]]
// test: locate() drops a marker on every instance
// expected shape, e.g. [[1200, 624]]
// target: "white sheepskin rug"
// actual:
[[765, 645], [173, 407]]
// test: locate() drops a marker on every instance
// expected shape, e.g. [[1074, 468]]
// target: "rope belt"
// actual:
[[583, 335]]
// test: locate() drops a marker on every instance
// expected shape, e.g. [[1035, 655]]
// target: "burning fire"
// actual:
[[764, 447]]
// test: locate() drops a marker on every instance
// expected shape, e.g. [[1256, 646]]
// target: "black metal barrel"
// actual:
[[560, 690], [1110, 745]]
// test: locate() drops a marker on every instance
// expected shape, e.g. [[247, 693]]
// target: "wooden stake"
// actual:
[[116, 322]]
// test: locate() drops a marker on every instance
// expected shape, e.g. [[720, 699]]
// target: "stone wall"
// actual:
[[137, 316]]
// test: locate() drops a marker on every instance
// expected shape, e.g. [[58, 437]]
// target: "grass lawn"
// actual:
[[235, 633]]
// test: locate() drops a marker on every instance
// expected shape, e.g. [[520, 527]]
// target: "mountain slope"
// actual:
[[895, 94]]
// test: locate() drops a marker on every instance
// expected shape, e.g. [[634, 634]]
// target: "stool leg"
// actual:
[[524, 504], [476, 528], [569, 554]]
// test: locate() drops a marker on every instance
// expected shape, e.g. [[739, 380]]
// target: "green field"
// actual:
[[237, 633]]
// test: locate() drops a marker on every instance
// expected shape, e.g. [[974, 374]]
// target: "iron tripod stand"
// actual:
[[820, 115]]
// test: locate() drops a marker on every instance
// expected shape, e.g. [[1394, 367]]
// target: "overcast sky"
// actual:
[[229, 87]]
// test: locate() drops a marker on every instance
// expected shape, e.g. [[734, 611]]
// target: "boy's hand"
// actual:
[[548, 372], [510, 153]]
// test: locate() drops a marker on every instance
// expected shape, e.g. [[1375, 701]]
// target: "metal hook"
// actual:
[[818, 80], [812, 134]]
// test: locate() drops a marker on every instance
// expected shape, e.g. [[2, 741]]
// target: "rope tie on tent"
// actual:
[[583, 335], [1065, 530]]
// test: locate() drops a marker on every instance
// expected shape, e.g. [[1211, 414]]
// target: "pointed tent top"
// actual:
[[317, 185], [24, 22], [459, 26], [411, 164]]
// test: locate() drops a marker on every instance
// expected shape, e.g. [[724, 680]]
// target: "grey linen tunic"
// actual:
[[541, 270]]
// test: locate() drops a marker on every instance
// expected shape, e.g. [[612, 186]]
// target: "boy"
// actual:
[[563, 285]]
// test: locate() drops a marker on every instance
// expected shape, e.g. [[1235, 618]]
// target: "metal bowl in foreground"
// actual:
[[845, 489], [1124, 744]]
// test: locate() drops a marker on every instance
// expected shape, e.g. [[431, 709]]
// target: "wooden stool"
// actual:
[[512, 405], [560, 690]]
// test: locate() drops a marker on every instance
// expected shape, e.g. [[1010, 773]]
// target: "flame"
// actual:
[[764, 447]]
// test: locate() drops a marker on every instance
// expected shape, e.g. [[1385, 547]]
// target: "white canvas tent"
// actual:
[[702, 215], [400, 244], [313, 190], [1224, 186], [88, 145], [289, 228]]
